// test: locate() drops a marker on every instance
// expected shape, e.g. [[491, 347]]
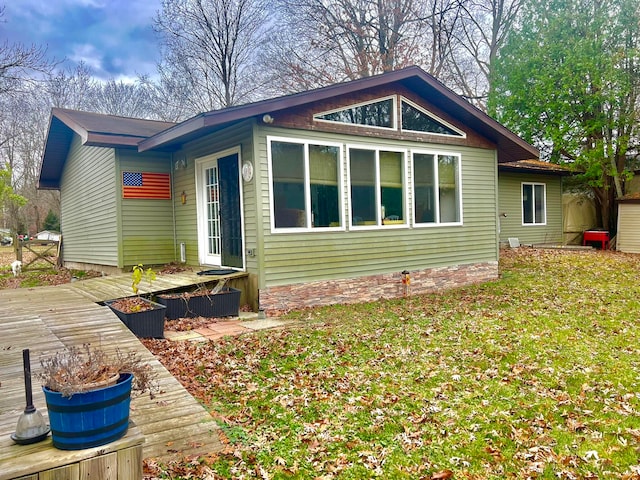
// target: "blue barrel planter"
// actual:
[[89, 419]]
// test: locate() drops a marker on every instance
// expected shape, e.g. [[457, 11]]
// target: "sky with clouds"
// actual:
[[114, 37]]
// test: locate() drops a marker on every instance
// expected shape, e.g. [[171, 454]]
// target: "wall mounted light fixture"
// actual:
[[180, 163], [183, 197]]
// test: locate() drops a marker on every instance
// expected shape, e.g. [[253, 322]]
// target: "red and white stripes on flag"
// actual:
[[146, 185]]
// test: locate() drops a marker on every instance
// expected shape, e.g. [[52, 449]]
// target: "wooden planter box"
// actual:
[[225, 303], [144, 324]]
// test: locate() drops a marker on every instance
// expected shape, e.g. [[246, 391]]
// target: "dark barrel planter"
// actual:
[[92, 418]]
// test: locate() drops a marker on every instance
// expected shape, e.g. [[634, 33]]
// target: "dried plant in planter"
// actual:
[[78, 370]]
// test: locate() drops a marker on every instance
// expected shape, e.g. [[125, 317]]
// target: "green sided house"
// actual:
[[322, 197], [530, 202]]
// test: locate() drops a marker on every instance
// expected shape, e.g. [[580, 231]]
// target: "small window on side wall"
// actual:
[[534, 204]]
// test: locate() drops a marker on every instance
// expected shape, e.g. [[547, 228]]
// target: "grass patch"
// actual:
[[532, 376]]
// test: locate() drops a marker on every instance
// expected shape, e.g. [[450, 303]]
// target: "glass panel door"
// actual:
[[213, 212]]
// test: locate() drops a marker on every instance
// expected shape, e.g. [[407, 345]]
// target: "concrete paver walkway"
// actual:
[[246, 323]]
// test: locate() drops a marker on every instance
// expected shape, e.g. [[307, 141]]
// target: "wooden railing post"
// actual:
[[17, 247]]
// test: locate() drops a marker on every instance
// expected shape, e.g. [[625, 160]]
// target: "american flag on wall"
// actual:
[[146, 185]]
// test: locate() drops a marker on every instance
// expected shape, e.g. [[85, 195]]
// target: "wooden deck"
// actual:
[[48, 319], [116, 286]]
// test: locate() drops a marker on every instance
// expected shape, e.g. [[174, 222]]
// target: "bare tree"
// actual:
[[168, 97], [321, 42], [210, 43], [21, 63], [120, 98], [71, 88], [483, 31]]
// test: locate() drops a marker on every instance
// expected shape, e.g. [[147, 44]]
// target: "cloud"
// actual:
[[115, 37]]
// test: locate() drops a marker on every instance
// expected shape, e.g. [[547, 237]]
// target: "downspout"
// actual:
[[497, 204], [173, 208]]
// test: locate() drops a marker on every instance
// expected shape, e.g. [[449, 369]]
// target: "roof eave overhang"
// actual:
[[113, 141], [510, 146], [538, 171]]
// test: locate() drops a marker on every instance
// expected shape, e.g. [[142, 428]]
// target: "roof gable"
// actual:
[[112, 131], [94, 129], [510, 147]]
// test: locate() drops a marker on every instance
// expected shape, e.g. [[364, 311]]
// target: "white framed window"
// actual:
[[377, 187], [534, 204], [437, 188], [306, 185], [417, 119], [379, 113]]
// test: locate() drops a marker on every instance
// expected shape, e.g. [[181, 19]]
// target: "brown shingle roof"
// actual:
[[534, 166], [94, 129], [510, 146]]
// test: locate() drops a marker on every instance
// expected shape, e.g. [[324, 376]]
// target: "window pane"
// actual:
[[288, 184], [323, 173], [377, 114], [418, 121], [391, 186], [527, 203], [362, 169], [539, 204], [448, 188], [424, 196]]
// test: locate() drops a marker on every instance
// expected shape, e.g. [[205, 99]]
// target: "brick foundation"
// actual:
[[373, 287]]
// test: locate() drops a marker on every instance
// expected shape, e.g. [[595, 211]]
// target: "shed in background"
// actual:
[[628, 236]]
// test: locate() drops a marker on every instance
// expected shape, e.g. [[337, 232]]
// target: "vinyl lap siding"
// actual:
[[310, 256], [88, 206], [510, 202], [184, 180], [146, 225]]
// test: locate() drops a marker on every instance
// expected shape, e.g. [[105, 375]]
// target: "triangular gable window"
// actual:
[[416, 119], [379, 113]]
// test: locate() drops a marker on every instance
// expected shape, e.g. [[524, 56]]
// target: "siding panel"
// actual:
[[185, 180], [88, 205], [310, 256], [510, 197], [146, 225]]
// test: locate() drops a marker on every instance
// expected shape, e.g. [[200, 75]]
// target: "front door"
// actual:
[[220, 211]]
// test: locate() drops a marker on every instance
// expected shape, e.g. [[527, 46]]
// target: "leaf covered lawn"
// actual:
[[532, 376]]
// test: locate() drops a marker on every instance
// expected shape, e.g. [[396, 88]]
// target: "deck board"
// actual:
[[48, 319]]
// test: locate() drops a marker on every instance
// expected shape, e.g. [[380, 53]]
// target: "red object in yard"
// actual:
[[596, 236]]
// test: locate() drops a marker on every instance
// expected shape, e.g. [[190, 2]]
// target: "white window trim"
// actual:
[[461, 134], [544, 188], [394, 123], [377, 149], [437, 223], [307, 192]]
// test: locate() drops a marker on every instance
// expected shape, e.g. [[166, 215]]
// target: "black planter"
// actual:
[[225, 303], [144, 324]]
